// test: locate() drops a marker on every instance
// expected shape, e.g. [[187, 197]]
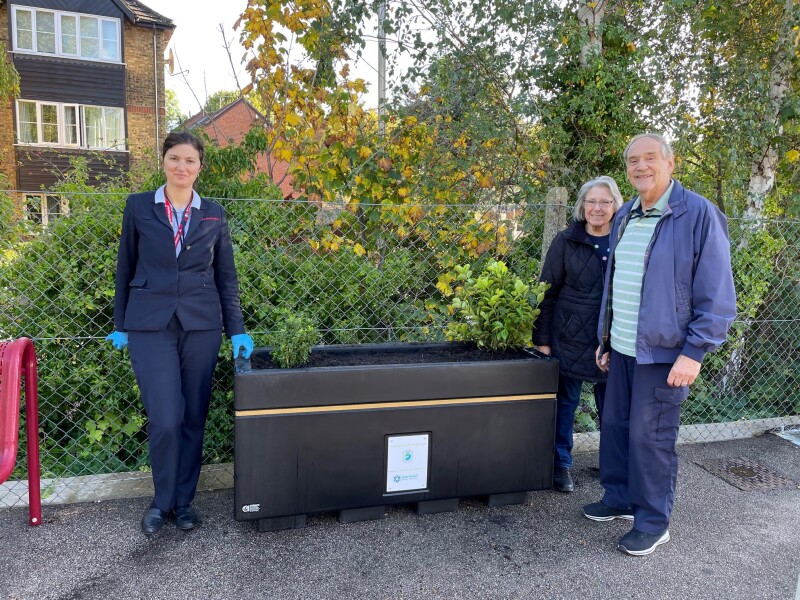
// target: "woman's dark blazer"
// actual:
[[199, 286], [571, 307]]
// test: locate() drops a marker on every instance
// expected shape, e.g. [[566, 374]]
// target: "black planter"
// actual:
[[322, 439]]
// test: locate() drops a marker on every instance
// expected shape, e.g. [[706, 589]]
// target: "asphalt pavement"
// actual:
[[726, 543]]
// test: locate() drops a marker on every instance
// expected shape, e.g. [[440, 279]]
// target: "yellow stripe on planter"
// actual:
[[377, 405]]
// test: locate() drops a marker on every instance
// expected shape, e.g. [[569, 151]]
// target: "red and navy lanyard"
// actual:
[[181, 225]]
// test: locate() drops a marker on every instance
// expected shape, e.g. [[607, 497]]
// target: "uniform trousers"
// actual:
[[638, 461], [174, 369]]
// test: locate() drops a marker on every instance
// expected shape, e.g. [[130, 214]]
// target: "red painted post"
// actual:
[[18, 359], [9, 408], [29, 370]]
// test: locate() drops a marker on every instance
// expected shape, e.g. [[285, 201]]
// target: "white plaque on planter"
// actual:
[[407, 462]]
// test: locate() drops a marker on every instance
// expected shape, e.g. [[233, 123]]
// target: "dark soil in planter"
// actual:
[[339, 356]]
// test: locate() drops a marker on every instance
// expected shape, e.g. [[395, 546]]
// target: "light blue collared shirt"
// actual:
[[195, 203]]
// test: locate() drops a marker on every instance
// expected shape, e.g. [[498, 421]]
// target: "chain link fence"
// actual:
[[364, 273]]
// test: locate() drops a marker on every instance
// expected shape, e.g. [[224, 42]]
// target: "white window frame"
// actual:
[[77, 53], [16, 45], [59, 51], [63, 125], [44, 218], [36, 31], [40, 123], [82, 137], [105, 111], [18, 131]]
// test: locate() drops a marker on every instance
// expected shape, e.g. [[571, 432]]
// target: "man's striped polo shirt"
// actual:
[[628, 273]]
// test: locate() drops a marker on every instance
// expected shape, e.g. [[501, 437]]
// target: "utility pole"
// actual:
[[381, 69]]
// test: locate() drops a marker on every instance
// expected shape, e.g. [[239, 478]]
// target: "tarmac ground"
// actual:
[[726, 543]]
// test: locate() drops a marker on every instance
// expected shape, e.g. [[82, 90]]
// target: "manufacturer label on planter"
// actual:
[[407, 462]]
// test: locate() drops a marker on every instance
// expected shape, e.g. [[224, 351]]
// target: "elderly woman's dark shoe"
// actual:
[[562, 480], [186, 518], [153, 520]]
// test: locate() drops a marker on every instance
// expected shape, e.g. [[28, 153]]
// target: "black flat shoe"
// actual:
[[153, 520], [186, 518]]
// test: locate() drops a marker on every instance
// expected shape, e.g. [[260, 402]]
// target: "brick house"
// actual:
[[91, 83], [228, 126]]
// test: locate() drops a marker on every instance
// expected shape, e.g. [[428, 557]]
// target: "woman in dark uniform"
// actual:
[[176, 288]]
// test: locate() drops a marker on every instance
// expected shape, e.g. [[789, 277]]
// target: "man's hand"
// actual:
[[603, 360], [544, 349], [683, 372]]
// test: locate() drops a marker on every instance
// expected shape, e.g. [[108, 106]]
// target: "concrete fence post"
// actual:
[[555, 216]]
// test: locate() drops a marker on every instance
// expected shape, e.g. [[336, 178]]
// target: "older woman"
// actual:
[[566, 329]]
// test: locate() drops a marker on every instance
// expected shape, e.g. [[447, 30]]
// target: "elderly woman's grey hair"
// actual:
[[578, 213], [666, 149]]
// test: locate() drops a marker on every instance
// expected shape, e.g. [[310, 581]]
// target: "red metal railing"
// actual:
[[18, 360]]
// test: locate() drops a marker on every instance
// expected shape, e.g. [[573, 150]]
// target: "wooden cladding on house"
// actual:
[[41, 168], [79, 82]]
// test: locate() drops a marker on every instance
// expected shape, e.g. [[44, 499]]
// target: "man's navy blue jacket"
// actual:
[[688, 299], [199, 286]]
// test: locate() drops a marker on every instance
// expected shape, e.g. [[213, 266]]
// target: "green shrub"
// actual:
[[496, 310], [59, 290], [291, 343], [352, 298]]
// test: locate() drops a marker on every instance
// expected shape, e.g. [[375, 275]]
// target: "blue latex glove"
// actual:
[[119, 339], [244, 342]]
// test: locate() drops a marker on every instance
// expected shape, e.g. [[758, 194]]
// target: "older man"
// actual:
[[668, 300]]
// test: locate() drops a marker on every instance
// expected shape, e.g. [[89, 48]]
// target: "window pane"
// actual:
[[45, 31], [110, 44], [71, 125], [33, 206], [27, 122], [53, 207], [49, 124], [115, 135], [90, 42], [24, 29], [93, 126], [69, 35]]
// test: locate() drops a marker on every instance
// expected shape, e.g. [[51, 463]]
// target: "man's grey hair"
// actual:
[[666, 149], [579, 214]]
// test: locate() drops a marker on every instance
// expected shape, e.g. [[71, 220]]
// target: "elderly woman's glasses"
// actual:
[[603, 203]]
